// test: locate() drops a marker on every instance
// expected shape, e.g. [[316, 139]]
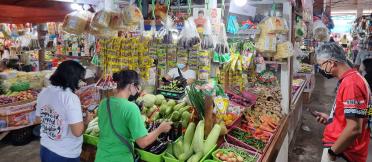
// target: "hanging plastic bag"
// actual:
[[284, 50], [76, 22], [189, 37], [266, 43], [168, 32], [274, 25], [320, 31], [117, 19], [221, 52], [208, 41], [132, 17]]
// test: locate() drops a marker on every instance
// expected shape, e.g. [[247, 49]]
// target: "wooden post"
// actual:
[[42, 31]]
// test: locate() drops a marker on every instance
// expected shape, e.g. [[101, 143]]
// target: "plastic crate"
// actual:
[[205, 157], [150, 157], [92, 140], [171, 94]]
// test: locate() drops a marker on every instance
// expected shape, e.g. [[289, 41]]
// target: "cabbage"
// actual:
[[159, 99], [149, 100]]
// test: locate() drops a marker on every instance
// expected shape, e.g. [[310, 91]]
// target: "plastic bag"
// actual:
[[207, 41], [168, 32], [132, 15], [284, 50], [320, 31], [76, 22], [189, 37], [117, 19], [101, 19], [221, 52], [266, 43], [274, 25]]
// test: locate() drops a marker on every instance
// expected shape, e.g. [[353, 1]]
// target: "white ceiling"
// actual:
[[350, 6]]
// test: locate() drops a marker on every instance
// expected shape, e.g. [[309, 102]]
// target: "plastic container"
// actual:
[[92, 140], [232, 139], [172, 94], [205, 157], [228, 145], [150, 157]]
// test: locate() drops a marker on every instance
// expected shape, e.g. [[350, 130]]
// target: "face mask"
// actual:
[[181, 66], [328, 76], [133, 97]]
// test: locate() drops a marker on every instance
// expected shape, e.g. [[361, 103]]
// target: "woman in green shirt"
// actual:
[[126, 119]]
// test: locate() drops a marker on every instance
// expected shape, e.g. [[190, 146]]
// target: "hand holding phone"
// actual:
[[320, 117]]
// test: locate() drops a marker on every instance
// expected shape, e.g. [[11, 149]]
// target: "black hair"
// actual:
[[125, 77], [68, 75], [201, 12], [368, 68]]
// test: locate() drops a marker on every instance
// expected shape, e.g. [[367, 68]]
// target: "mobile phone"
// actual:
[[93, 107], [314, 113]]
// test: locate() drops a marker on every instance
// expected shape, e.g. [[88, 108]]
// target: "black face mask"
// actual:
[[134, 97], [328, 76]]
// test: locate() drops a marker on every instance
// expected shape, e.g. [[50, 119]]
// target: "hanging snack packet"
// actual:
[[76, 22]]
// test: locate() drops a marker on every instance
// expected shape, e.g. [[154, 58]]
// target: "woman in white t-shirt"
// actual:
[[182, 65], [59, 111]]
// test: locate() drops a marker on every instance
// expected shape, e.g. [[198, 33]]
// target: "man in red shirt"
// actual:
[[346, 134]]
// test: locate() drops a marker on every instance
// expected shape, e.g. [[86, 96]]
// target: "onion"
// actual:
[[223, 158], [231, 155], [240, 159]]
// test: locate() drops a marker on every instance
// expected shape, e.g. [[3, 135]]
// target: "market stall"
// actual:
[[242, 105], [245, 84]]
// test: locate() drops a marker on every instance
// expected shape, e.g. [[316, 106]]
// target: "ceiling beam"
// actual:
[[20, 14]]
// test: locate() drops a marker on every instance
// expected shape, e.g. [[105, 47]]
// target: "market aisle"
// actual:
[[307, 146], [26, 153]]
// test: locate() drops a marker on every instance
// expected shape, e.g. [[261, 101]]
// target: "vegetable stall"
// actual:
[[242, 105]]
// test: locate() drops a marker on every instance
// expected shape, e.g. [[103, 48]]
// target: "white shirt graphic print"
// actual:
[[51, 123]]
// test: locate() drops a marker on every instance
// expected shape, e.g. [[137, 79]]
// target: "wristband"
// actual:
[[331, 152]]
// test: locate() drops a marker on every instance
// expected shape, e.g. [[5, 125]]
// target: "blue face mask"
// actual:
[[181, 66]]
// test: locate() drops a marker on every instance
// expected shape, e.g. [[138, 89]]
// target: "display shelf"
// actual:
[[296, 96], [276, 144]]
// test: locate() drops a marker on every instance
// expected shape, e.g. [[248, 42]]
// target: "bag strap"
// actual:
[[121, 138], [179, 72]]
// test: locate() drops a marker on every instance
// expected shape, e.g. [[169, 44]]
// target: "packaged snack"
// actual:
[[266, 43], [284, 50], [76, 22], [101, 19]]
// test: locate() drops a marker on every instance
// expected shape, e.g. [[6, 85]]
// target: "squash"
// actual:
[[178, 148], [212, 138], [198, 140], [196, 157], [189, 134]]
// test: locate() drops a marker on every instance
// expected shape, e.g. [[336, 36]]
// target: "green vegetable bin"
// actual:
[[207, 156], [89, 139], [150, 157]]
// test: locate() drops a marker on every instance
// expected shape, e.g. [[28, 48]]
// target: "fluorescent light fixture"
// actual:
[[240, 3], [76, 6], [86, 7]]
